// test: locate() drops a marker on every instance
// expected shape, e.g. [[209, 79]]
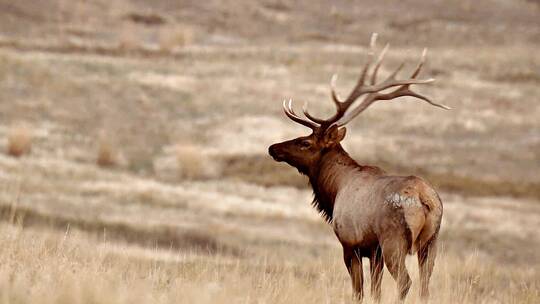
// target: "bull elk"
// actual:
[[374, 215]]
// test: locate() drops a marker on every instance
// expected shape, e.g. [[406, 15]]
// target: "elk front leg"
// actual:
[[376, 269], [353, 261]]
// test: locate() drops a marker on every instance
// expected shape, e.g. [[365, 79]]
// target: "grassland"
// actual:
[[141, 173]]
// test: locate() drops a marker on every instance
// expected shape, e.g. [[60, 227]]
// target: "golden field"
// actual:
[[134, 136]]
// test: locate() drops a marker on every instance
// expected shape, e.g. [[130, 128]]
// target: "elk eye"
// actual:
[[305, 144]]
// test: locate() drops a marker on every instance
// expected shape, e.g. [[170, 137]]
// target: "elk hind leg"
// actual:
[[394, 252], [426, 261]]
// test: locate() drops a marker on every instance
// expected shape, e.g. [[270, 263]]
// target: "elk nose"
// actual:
[[272, 150]]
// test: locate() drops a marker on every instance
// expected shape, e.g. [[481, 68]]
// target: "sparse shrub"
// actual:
[[19, 141], [107, 154], [190, 161], [193, 163]]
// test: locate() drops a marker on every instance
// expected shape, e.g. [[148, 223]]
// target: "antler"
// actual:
[[287, 108], [372, 90]]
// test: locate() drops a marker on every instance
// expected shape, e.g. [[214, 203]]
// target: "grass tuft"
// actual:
[[107, 154], [19, 141], [192, 163]]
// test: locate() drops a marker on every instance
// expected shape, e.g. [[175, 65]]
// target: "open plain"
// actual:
[[144, 127]]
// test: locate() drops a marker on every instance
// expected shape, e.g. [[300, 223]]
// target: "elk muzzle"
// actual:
[[275, 151]]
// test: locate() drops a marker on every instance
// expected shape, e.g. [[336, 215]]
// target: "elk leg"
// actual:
[[353, 262], [394, 252], [347, 258], [426, 260], [376, 269], [357, 276]]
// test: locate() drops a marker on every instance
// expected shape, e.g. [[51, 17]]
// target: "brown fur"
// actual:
[[368, 218]]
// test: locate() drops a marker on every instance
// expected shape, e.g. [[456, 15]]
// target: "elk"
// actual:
[[374, 215]]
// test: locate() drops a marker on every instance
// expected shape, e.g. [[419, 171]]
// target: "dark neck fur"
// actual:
[[325, 178]]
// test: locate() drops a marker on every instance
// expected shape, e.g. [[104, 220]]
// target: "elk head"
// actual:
[[305, 152]]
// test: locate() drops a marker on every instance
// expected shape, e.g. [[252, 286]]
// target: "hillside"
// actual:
[[148, 179]]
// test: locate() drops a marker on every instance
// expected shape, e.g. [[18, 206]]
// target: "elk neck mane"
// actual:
[[326, 177]]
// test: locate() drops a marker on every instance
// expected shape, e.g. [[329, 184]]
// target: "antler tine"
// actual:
[[371, 55], [424, 98], [338, 103], [347, 109], [335, 96], [309, 116], [358, 88], [361, 89], [420, 64], [402, 90], [287, 108], [405, 90], [378, 64], [391, 81], [370, 99]]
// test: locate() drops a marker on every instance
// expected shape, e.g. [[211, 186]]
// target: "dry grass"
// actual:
[[156, 236], [67, 268], [172, 37], [193, 163], [19, 141], [217, 220], [105, 233]]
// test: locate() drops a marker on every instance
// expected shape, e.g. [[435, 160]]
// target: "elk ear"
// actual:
[[334, 136]]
